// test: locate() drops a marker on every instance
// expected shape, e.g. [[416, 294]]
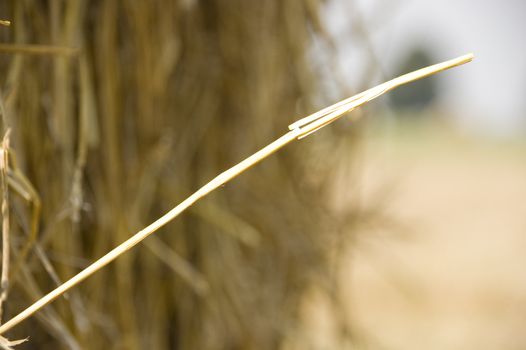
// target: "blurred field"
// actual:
[[445, 269]]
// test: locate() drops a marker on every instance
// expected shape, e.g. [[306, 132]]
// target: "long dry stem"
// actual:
[[32, 49], [4, 279], [300, 129]]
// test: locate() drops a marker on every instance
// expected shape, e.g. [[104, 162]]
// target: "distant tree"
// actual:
[[421, 94]]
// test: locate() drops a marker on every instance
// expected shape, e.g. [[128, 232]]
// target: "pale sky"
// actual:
[[489, 94]]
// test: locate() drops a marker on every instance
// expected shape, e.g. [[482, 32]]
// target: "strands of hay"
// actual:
[[298, 130], [130, 106], [4, 167]]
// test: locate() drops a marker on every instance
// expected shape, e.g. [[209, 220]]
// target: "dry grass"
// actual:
[[159, 97], [298, 130], [6, 243], [132, 106]]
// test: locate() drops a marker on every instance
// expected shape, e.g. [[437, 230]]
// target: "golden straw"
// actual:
[[298, 130]]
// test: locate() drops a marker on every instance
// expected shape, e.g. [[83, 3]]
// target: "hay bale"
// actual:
[[123, 109]]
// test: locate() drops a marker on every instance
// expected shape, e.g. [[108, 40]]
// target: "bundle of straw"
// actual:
[[128, 107], [118, 110]]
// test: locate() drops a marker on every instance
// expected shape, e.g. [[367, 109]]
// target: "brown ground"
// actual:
[[450, 271]]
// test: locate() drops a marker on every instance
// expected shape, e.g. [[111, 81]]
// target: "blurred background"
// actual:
[[404, 229], [445, 158]]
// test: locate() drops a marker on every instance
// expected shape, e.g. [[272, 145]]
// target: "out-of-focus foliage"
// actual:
[[420, 94]]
